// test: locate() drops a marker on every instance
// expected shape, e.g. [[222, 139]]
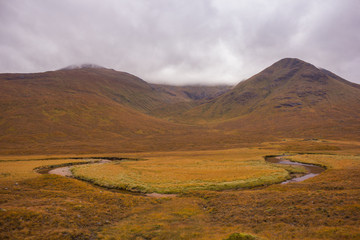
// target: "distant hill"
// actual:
[[91, 109], [291, 98], [82, 66], [84, 108], [193, 92], [191, 96]]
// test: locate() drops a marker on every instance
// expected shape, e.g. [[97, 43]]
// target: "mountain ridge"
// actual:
[[295, 83], [81, 66], [290, 98], [91, 108], [102, 110]]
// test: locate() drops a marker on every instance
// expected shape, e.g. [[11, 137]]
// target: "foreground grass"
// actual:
[[172, 173], [53, 207], [324, 207]]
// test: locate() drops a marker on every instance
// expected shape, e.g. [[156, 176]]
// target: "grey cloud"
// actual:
[[180, 42]]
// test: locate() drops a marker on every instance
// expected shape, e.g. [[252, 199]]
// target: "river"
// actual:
[[311, 170]]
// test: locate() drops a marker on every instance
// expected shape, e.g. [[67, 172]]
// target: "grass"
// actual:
[[54, 207], [21, 170], [240, 236], [34, 206], [329, 161], [103, 113], [324, 207], [213, 170]]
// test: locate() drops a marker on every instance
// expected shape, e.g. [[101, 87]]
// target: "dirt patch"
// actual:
[[159, 195], [63, 171]]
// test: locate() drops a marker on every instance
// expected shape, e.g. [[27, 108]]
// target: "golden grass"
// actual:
[[21, 170], [180, 218], [329, 161], [324, 207], [178, 172], [53, 207]]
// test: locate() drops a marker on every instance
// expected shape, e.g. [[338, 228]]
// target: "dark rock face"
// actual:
[[196, 96], [287, 76], [289, 104], [316, 77], [245, 97], [16, 76], [317, 93]]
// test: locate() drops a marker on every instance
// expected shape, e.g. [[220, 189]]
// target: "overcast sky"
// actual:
[[180, 42]]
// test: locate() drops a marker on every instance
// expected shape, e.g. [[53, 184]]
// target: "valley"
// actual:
[[178, 162]]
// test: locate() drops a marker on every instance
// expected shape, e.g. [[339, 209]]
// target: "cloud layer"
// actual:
[[180, 42]]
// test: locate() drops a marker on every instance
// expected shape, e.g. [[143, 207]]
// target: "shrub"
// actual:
[[240, 236]]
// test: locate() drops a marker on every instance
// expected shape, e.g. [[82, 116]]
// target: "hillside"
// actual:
[[290, 98], [193, 92], [65, 108], [90, 109], [191, 96], [83, 109]]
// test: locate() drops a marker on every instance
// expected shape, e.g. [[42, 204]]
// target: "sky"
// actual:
[[180, 42]]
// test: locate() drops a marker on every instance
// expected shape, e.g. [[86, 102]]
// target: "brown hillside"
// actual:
[[191, 96], [64, 107], [82, 110], [290, 98], [93, 109], [193, 92]]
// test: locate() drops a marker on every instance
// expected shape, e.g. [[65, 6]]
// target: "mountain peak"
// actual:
[[82, 66], [289, 70], [289, 85], [291, 63]]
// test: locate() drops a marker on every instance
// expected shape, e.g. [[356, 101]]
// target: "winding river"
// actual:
[[311, 169]]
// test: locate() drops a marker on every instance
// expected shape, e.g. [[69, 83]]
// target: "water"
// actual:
[[312, 170]]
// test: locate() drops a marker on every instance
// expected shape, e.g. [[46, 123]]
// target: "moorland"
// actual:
[[186, 162]]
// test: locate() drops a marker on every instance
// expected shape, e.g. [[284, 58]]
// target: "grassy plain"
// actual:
[[329, 161], [34, 206], [21, 170], [184, 171]]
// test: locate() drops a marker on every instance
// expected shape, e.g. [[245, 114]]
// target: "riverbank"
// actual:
[[55, 207], [311, 171]]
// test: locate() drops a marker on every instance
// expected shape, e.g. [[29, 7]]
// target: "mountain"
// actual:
[[91, 109], [289, 98], [191, 96], [70, 107], [85, 108], [81, 66], [193, 92]]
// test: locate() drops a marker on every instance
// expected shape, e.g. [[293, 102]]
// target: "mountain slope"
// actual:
[[292, 98], [93, 109], [64, 107], [88, 109], [192, 96], [193, 92]]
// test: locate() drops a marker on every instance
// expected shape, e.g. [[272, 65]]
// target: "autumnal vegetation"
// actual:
[[330, 161], [21, 170], [205, 144], [35, 206], [99, 110], [173, 173]]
